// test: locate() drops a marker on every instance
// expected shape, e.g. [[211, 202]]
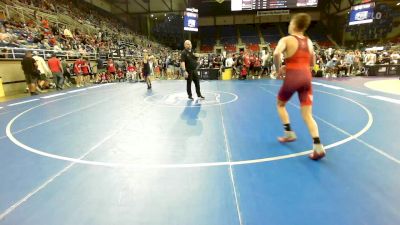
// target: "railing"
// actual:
[[10, 10], [7, 53], [25, 12], [19, 53], [73, 23], [317, 47], [3, 14], [28, 9]]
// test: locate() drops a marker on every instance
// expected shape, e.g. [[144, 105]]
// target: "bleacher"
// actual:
[[253, 47], [26, 30], [228, 38], [208, 37], [249, 34], [228, 35], [230, 47], [317, 32], [270, 33]]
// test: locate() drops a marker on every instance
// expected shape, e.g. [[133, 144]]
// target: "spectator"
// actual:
[[395, 57], [257, 67], [341, 66], [86, 70], [349, 61], [330, 68], [111, 69], [44, 70], [67, 72], [370, 59], [229, 61], [131, 72], [57, 69], [67, 33], [78, 71], [30, 71]]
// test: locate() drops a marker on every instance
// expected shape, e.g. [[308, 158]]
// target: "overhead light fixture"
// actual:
[[152, 15]]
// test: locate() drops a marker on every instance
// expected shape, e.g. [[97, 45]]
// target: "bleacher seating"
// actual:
[[90, 31], [228, 40], [208, 35], [270, 33], [253, 47], [228, 31], [230, 47], [249, 34], [317, 32], [228, 35], [206, 48]]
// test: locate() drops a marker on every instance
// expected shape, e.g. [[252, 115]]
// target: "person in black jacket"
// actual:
[[189, 70], [31, 72], [147, 67]]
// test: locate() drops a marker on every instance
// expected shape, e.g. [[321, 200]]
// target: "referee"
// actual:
[[189, 70]]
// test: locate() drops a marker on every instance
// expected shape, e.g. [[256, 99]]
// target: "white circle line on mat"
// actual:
[[236, 97], [185, 165]]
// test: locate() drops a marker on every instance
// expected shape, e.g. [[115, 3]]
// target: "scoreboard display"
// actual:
[[241, 5], [362, 14], [191, 20]]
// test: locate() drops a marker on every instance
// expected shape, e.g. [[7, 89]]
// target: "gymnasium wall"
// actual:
[[13, 76]]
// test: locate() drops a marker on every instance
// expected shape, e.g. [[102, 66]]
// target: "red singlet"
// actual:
[[298, 75]]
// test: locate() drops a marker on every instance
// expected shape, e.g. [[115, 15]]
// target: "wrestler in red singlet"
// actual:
[[300, 58], [298, 74]]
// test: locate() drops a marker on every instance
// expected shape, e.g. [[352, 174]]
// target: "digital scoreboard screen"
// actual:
[[191, 20], [362, 14], [241, 5]]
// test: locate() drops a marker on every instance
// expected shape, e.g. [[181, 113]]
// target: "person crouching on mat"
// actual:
[[299, 52]]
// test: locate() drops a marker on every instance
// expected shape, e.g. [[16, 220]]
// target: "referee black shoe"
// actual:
[[190, 97], [201, 97]]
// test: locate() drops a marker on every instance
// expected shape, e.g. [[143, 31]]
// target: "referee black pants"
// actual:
[[195, 78]]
